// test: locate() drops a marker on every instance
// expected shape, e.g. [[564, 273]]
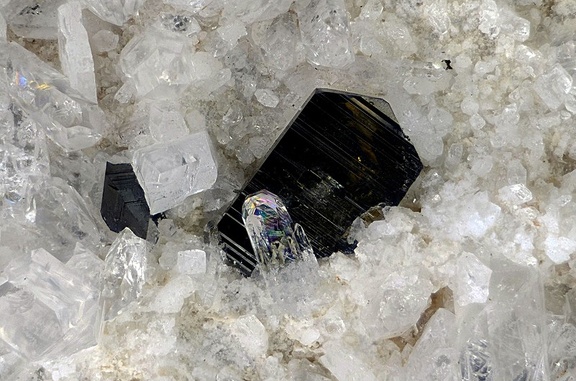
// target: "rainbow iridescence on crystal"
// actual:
[[276, 240]]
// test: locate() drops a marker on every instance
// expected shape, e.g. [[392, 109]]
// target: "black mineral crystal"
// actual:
[[123, 202], [342, 155]]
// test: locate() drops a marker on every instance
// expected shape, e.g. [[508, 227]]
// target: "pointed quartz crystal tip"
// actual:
[[274, 237]]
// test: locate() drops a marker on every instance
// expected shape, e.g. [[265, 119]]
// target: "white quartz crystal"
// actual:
[[267, 97], [553, 86], [166, 122], [115, 11], [32, 19], [344, 365], [324, 26], [47, 309], [473, 280], [170, 172], [104, 41], [434, 356], [75, 54], [64, 114], [251, 334], [125, 273], [191, 262]]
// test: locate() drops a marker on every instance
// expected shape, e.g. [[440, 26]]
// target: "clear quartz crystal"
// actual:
[[124, 276], [32, 18], [46, 308], [276, 240], [68, 118]]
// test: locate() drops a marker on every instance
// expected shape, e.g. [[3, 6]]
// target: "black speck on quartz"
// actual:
[[123, 201], [342, 155]]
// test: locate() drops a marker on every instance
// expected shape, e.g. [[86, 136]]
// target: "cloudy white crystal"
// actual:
[[495, 133], [170, 172], [473, 280], [115, 11], [324, 27], [75, 52]]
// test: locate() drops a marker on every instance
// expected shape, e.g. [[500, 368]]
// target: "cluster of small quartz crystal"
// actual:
[[471, 279]]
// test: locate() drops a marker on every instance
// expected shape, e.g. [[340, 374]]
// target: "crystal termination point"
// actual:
[[274, 237], [342, 155]]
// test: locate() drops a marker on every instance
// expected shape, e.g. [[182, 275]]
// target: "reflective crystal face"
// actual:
[[274, 238], [123, 202], [170, 172], [343, 154]]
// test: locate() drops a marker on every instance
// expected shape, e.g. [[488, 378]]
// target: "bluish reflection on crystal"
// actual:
[[276, 240]]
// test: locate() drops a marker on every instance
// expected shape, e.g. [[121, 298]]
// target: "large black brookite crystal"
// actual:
[[123, 202], [343, 154]]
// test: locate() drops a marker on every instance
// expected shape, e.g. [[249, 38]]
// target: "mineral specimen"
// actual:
[[123, 202], [343, 154], [274, 237], [75, 53], [170, 172]]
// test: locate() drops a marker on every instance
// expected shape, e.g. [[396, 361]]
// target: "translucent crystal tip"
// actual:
[[274, 237]]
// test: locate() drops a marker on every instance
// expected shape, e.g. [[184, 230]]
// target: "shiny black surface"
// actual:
[[343, 154], [123, 202]]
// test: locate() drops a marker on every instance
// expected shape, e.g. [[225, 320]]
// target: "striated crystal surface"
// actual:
[[123, 201], [170, 172], [276, 240], [471, 277], [342, 155]]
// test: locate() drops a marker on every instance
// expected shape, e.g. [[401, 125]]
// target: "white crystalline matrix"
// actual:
[[470, 278]]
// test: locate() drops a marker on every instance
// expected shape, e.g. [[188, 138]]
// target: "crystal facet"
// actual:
[[170, 172], [75, 53], [342, 155], [274, 237], [123, 201], [125, 273], [46, 308], [325, 30]]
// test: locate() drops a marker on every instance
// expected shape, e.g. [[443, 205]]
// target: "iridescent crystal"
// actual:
[[276, 240]]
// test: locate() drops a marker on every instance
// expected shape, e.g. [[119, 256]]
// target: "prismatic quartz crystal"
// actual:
[[276, 240], [75, 53]]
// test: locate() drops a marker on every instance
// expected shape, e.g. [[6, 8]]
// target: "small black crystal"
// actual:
[[123, 202], [343, 154]]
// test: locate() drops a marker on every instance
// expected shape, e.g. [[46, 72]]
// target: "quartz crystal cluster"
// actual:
[[113, 111]]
